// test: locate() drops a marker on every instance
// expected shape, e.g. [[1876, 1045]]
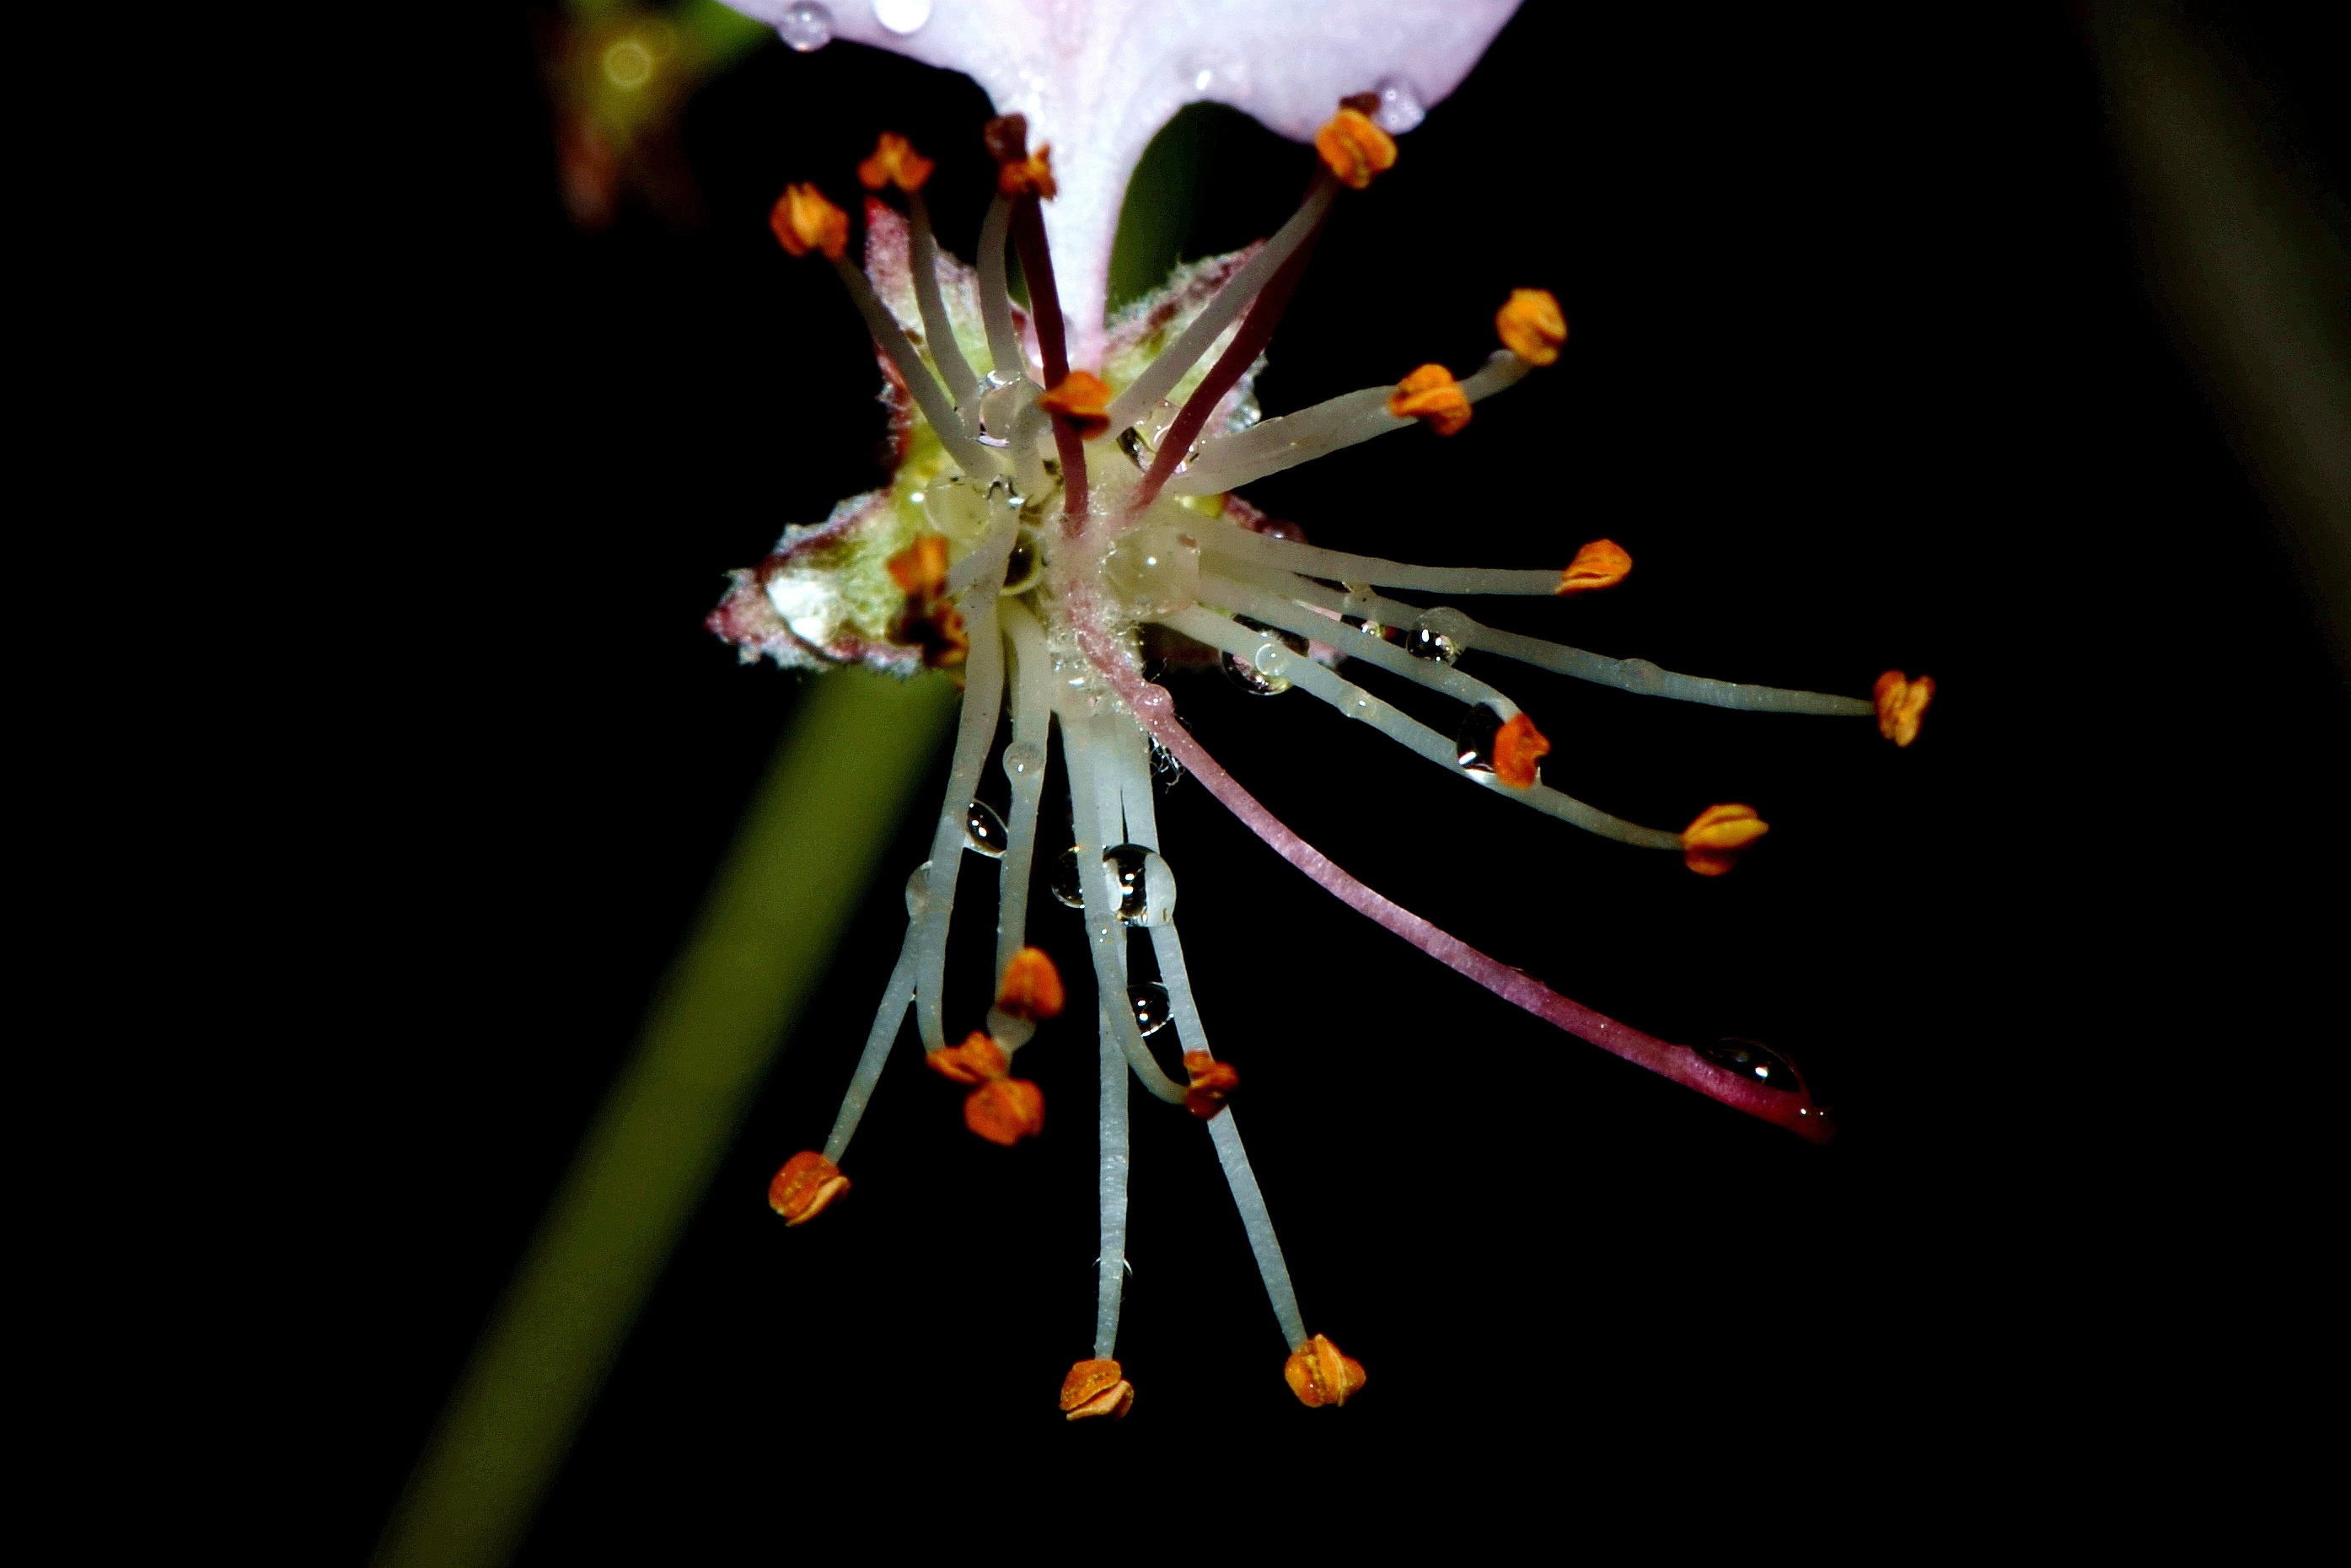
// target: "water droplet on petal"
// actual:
[[1166, 770], [1400, 107], [918, 891], [1149, 1000], [806, 26], [982, 830], [1752, 1058], [1474, 741], [902, 16], [1024, 759]]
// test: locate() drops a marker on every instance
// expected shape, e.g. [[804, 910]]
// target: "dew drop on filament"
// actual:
[[806, 26], [1149, 1000], [1435, 646], [1474, 741], [1065, 880], [1251, 679], [1146, 888], [918, 891], [982, 830], [1752, 1058], [1024, 759]]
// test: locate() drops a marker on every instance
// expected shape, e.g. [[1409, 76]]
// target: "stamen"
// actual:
[[894, 161], [1430, 393], [895, 995], [938, 328], [1096, 1388], [1319, 1376], [1902, 704], [1159, 378], [1274, 659], [1024, 765], [1224, 1131], [1793, 1110], [804, 221], [1602, 564], [1019, 172], [1082, 400], [1006, 1110], [805, 1187], [1354, 148], [1032, 987], [921, 384], [1274, 609], [1212, 1083], [1518, 746], [1530, 326], [1712, 844]]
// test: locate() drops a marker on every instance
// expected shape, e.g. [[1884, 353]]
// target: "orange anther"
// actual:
[[1602, 564], [1019, 172], [1711, 845], [1530, 326], [1211, 1082], [1096, 1388], [1901, 704], [1431, 393], [804, 221], [1518, 746], [1082, 400], [805, 1185], [1319, 1375], [1006, 1110], [1354, 149], [921, 568], [1033, 987], [937, 630], [978, 1060], [894, 163]]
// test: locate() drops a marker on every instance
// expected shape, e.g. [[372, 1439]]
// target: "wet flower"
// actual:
[[1051, 509]]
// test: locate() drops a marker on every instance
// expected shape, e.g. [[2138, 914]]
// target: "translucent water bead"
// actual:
[[956, 509], [1145, 888], [1400, 107], [1474, 741], [1154, 569], [1024, 759], [1426, 642], [918, 891], [1752, 1058], [1262, 676], [982, 830], [806, 26], [1149, 1000]]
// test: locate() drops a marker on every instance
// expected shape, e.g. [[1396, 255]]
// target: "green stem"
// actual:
[[829, 805]]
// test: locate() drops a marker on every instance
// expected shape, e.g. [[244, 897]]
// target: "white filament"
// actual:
[[1110, 1261], [946, 352], [878, 1041], [1032, 714], [1234, 542], [996, 300], [1626, 675], [921, 384], [1160, 378]]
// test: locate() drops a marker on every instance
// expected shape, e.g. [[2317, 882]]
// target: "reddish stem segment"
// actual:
[[1053, 342], [1255, 331], [1793, 1111]]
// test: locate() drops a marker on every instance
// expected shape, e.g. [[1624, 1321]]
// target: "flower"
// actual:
[[1048, 514]]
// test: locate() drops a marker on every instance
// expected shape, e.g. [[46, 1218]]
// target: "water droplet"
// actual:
[[1065, 880], [1138, 450], [1400, 107], [918, 891], [1149, 1000], [982, 830], [1025, 565], [1247, 676], [1154, 569], [1166, 770], [1473, 743], [1640, 675], [1272, 659], [902, 16], [1752, 1058], [956, 509], [806, 26], [1374, 629], [1422, 643], [1146, 888], [1024, 759], [1246, 412]]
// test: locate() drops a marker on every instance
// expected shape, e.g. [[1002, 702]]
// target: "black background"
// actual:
[[1862, 375]]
